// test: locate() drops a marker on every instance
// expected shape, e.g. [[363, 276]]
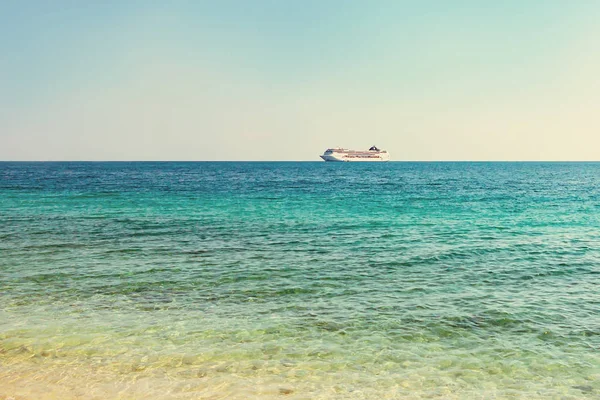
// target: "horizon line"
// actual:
[[297, 161]]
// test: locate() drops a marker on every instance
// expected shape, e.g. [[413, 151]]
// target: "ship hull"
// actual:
[[334, 159], [331, 159]]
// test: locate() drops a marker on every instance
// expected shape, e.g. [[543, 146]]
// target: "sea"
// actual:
[[299, 280]]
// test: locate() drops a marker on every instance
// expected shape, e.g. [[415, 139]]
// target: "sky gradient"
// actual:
[[283, 80]]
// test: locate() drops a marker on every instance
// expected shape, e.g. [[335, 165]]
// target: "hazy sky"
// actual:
[[283, 80]]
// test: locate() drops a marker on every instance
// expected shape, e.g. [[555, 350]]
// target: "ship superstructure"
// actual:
[[340, 154]]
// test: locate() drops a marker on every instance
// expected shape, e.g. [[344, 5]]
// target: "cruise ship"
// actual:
[[339, 154]]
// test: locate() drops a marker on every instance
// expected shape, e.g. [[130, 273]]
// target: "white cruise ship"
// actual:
[[339, 154]]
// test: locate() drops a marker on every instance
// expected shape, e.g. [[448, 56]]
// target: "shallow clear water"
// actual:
[[299, 280]]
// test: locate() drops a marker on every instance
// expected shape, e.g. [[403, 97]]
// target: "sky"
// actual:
[[284, 80]]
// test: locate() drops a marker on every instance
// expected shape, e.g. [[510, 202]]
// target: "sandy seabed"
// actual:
[[40, 381]]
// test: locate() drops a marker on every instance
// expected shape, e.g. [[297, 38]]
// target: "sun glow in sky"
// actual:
[[283, 80]]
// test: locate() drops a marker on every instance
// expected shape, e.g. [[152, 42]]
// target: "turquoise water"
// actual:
[[299, 280]]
